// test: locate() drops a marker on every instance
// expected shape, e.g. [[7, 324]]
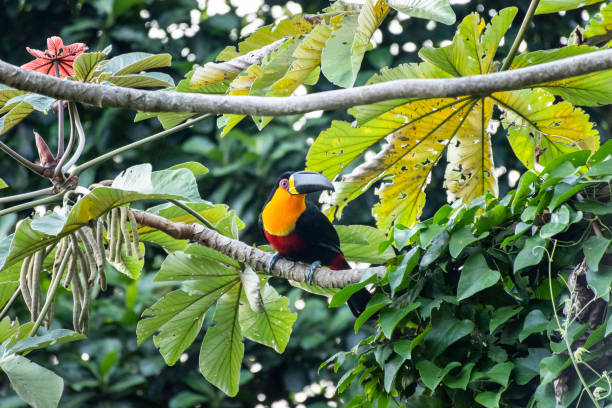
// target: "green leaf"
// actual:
[[250, 285], [377, 302], [489, 399], [437, 10], [535, 322], [50, 338], [499, 373], [609, 326], [444, 332], [273, 325], [15, 114], [501, 315], [3, 184], [390, 370], [559, 222], [526, 368], [198, 169], [536, 123], [37, 386], [177, 317], [222, 348], [462, 379], [591, 89], [603, 168], [431, 374], [524, 189], [551, 367], [342, 296], [475, 276], [594, 248], [144, 80], [553, 6], [135, 62], [85, 65], [531, 254], [459, 240], [600, 280], [390, 317], [360, 243], [399, 276], [135, 183]]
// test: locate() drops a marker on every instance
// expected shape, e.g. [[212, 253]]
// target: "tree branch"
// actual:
[[253, 257], [167, 101]]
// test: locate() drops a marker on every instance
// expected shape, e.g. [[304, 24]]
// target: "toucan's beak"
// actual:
[[303, 182]]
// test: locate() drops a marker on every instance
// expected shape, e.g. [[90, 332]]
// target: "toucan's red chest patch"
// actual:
[[286, 244]]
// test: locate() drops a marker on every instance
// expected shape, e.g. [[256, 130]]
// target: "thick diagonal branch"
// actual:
[[251, 256], [162, 101]]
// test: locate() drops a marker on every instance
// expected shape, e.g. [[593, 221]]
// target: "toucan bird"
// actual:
[[299, 231]]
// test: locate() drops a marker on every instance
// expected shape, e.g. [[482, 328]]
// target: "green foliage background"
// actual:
[[109, 368]]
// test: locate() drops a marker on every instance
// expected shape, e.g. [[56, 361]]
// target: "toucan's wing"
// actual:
[[314, 227]]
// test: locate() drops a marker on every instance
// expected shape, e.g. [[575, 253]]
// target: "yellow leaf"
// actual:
[[470, 172]]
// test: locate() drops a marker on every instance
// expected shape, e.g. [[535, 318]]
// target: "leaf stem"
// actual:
[[60, 130], [74, 118], [94, 162], [31, 204], [36, 168], [64, 157], [192, 212], [26, 196], [521, 33]]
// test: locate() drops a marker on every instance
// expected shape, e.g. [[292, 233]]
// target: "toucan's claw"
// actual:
[[273, 260], [314, 266]]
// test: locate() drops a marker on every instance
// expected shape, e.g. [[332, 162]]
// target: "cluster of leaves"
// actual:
[[518, 331], [125, 70]]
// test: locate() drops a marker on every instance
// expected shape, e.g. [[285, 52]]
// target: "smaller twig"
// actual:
[[26, 196], [23, 283], [60, 130], [36, 168], [49, 200], [521, 33]]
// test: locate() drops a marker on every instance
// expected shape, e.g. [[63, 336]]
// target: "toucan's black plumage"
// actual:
[[298, 230]]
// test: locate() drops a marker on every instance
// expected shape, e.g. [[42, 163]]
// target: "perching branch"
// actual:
[[251, 256], [167, 101]]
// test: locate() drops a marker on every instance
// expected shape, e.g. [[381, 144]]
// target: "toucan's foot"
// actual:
[[314, 266], [275, 258]]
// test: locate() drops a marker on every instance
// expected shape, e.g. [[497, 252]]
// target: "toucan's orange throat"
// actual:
[[282, 211]]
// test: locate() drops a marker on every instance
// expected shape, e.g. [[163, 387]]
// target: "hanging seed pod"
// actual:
[[57, 276], [59, 255], [86, 298], [118, 235], [124, 231], [100, 240], [72, 267], [35, 290], [135, 238], [112, 237], [77, 305], [92, 248], [81, 257], [23, 283]]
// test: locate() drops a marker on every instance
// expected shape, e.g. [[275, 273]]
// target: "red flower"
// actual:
[[57, 55]]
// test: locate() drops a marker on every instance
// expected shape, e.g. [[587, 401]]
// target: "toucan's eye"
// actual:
[[284, 183]]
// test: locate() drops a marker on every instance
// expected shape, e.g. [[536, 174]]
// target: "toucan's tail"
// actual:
[[359, 300]]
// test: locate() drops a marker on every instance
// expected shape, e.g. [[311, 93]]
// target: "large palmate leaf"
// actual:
[[438, 10], [553, 6], [470, 172], [346, 47], [272, 326], [222, 348], [599, 28], [417, 132], [540, 130], [178, 316], [590, 89], [134, 184]]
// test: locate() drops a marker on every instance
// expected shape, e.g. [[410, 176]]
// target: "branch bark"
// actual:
[[251, 256], [161, 101]]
